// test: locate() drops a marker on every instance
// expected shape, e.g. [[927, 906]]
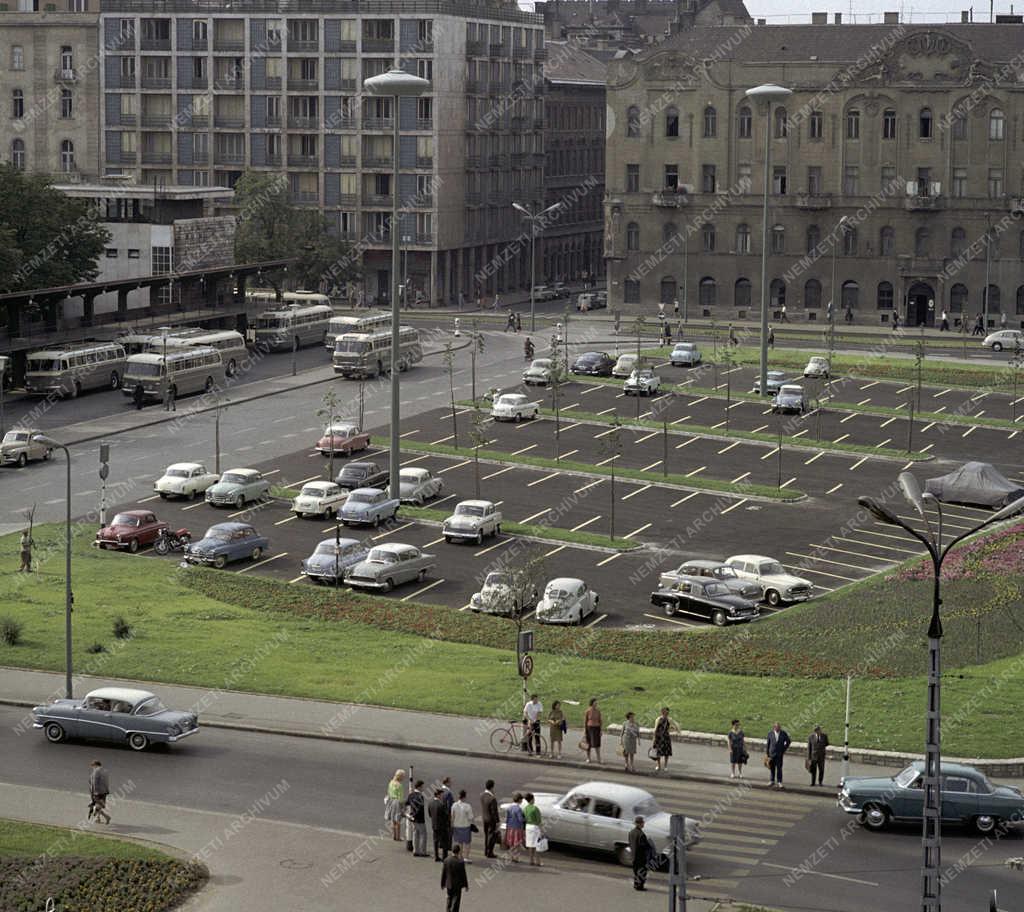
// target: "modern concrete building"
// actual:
[[895, 181]]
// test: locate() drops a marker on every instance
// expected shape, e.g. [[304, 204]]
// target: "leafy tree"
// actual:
[[611, 444], [449, 365], [478, 437], [328, 414]]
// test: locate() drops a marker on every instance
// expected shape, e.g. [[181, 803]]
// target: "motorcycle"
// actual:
[[168, 541]]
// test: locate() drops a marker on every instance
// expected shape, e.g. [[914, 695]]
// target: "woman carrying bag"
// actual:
[[557, 728], [738, 755], [628, 741], [662, 748]]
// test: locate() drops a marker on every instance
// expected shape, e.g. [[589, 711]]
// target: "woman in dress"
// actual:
[[462, 824], [630, 737], [555, 720], [592, 725], [393, 803], [515, 827], [663, 728], [737, 750]]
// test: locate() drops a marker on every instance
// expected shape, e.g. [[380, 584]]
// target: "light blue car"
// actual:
[[333, 558], [368, 507]]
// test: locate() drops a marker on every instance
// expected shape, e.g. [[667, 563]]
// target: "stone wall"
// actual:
[[203, 242]]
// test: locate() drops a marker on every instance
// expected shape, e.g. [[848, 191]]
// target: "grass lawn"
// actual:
[[17, 838]]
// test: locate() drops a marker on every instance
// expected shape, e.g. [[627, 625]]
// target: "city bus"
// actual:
[[369, 354], [299, 318], [182, 370], [71, 370], [356, 323], [229, 342]]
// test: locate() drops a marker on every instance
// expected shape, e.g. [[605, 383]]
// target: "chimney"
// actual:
[[762, 21], [839, 18], [965, 15], [891, 18], [819, 18]]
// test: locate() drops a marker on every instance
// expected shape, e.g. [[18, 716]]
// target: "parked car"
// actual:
[[390, 565], [817, 368], [332, 560], [418, 486], [185, 479], [789, 399], [130, 530], [599, 815], [566, 601], [625, 365], [514, 407], [319, 498], [775, 380], [642, 382], [227, 542], [20, 446], [594, 364], [590, 300], [122, 715], [540, 372], [342, 439], [237, 487], [504, 595], [362, 475], [777, 586], [472, 520], [706, 599], [685, 354], [602, 298], [712, 569], [544, 293], [1009, 339], [561, 290], [968, 797], [368, 506]]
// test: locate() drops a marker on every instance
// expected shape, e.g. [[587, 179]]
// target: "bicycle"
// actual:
[[505, 739]]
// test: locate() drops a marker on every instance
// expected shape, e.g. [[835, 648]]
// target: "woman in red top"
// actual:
[[592, 724]]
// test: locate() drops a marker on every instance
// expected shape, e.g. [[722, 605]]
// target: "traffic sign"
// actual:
[[526, 666]]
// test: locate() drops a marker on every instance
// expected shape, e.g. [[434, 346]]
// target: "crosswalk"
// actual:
[[739, 822]]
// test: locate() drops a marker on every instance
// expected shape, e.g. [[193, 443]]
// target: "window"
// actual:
[[777, 293], [632, 178], [924, 124], [632, 236], [708, 237], [888, 124], [66, 104], [959, 126], [425, 69], [633, 122], [779, 180], [851, 295], [199, 70], [17, 57], [110, 253], [850, 241], [851, 180], [161, 260], [996, 125], [708, 291], [710, 122], [781, 123], [853, 124], [671, 177], [924, 181], [884, 297], [992, 302], [886, 241], [708, 182], [18, 154], [814, 180], [888, 181], [668, 290], [741, 293], [815, 126], [958, 299], [672, 123], [1020, 299], [995, 183], [668, 232], [778, 239], [960, 182], [67, 59], [993, 245], [813, 238], [744, 123], [133, 253], [958, 241], [743, 238], [812, 294], [743, 176], [67, 156], [126, 31], [631, 291], [1020, 246], [200, 32], [17, 104], [922, 242]]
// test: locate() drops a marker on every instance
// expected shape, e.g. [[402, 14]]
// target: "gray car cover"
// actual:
[[975, 483]]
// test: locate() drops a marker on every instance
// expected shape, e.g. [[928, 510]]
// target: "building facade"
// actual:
[[895, 182]]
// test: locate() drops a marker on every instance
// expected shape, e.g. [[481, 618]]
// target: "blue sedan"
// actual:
[[368, 506], [333, 558], [225, 542]]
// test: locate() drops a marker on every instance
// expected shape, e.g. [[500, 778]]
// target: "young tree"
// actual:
[[919, 353], [727, 361], [476, 347], [1016, 363], [556, 383], [449, 364], [361, 394], [327, 413], [478, 438], [638, 327], [611, 444]]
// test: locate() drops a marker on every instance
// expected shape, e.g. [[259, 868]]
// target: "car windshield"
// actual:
[[339, 430], [382, 556], [412, 476], [234, 478], [715, 589], [724, 573], [541, 364], [496, 579], [361, 498], [468, 510], [270, 322], [217, 533], [353, 471], [648, 807], [125, 519], [38, 365], [555, 594], [15, 437], [905, 778], [319, 490], [150, 707], [351, 346], [772, 568], [510, 400], [178, 473]]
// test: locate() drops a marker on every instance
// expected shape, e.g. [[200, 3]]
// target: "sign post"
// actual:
[[677, 864], [524, 661], [3, 377], [104, 472]]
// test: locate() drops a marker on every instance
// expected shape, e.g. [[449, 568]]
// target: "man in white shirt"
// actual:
[[531, 719]]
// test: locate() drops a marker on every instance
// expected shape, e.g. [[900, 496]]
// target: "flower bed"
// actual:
[[1001, 554]]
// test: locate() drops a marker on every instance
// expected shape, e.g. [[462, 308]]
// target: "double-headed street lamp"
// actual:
[[931, 839], [396, 84], [533, 218]]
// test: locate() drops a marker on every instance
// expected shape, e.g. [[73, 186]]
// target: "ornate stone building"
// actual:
[[896, 181]]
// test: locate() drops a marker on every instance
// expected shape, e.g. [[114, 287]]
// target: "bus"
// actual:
[[229, 342], [182, 370], [300, 318], [356, 323], [71, 370], [369, 354]]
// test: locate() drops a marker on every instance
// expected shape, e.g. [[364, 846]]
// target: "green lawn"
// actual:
[[17, 838]]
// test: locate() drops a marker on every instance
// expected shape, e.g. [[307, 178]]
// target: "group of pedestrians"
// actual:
[[777, 744], [514, 322]]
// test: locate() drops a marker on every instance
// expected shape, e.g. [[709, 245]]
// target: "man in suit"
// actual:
[[816, 745], [440, 825], [489, 814], [640, 847], [775, 748], [415, 809], [453, 878]]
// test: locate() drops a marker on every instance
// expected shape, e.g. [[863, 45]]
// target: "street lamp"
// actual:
[[68, 597], [841, 227], [931, 839], [988, 270], [767, 94], [533, 218], [396, 84]]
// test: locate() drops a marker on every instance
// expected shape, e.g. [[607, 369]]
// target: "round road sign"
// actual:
[[526, 666]]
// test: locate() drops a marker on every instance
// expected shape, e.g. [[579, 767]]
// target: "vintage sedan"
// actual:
[[599, 815], [361, 475], [1010, 339], [130, 530], [185, 479], [119, 714], [818, 368], [968, 797], [539, 372], [642, 382], [390, 565], [706, 599], [226, 542], [319, 498], [342, 439], [685, 354], [789, 399], [514, 407], [368, 507], [472, 520], [544, 293], [712, 569], [775, 380], [566, 601], [777, 586], [332, 560], [625, 365], [20, 445], [503, 594], [594, 364], [237, 487], [417, 486]]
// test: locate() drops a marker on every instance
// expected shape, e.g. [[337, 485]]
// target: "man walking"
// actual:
[[26, 552], [454, 880], [138, 396], [979, 326], [440, 824], [640, 847], [415, 810], [775, 748], [531, 719], [99, 788], [784, 318], [816, 746], [944, 322], [489, 815]]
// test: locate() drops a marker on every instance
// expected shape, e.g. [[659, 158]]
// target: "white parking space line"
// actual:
[[925, 449], [585, 487], [825, 560], [739, 478], [864, 401], [695, 472], [554, 551], [200, 504], [834, 489], [300, 577], [621, 396], [979, 414], [770, 453], [608, 560], [840, 439], [872, 544], [888, 421], [533, 516], [406, 462], [606, 411], [970, 430], [845, 579], [904, 389], [800, 433], [637, 531], [715, 427], [739, 503], [729, 447], [735, 404], [684, 499], [262, 562], [849, 417], [585, 522], [646, 437], [605, 433], [441, 500], [525, 449], [817, 455], [859, 463], [410, 433], [639, 490], [606, 461], [567, 455], [758, 430], [499, 472], [681, 420], [787, 483], [846, 551], [144, 499], [457, 465], [669, 620], [251, 509], [878, 446], [568, 427], [593, 389], [868, 386], [465, 607], [942, 393], [531, 484], [902, 537], [311, 455], [699, 401], [281, 522], [489, 548], [391, 531], [441, 440], [656, 462], [426, 588], [686, 442], [436, 541]]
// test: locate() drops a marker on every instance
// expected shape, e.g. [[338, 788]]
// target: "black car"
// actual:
[[707, 599], [362, 475], [594, 364]]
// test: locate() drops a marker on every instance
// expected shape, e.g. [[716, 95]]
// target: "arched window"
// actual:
[[922, 242], [710, 122], [741, 293], [884, 298], [708, 237], [958, 299], [778, 239], [631, 291], [18, 154], [1020, 299], [67, 156], [743, 238], [924, 123], [996, 125], [668, 290], [886, 241], [633, 122], [744, 123], [17, 104], [708, 292], [853, 124], [813, 238], [632, 236], [959, 125], [851, 295], [781, 121], [812, 294], [888, 124], [850, 241], [668, 232], [993, 303], [777, 293], [957, 241], [672, 122]]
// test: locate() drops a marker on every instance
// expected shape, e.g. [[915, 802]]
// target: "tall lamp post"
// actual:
[[396, 84], [937, 548], [533, 218], [988, 270], [767, 95], [841, 227], [68, 597]]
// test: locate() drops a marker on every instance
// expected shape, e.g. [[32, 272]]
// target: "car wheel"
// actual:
[[997, 346], [448, 540], [193, 494], [47, 454], [875, 816], [239, 502], [328, 513], [231, 368], [22, 461], [133, 545], [497, 530], [257, 553], [54, 733], [670, 609], [623, 855], [138, 741], [718, 618], [389, 584], [421, 576], [376, 520], [115, 380], [163, 496], [418, 500], [773, 598], [519, 417], [220, 561], [480, 536], [984, 823]]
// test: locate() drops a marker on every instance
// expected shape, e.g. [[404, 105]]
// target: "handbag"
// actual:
[[473, 828], [564, 726], [767, 761], [744, 758], [807, 763], [652, 752], [584, 744], [542, 844]]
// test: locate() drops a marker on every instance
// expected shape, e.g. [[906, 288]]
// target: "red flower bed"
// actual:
[[1001, 554]]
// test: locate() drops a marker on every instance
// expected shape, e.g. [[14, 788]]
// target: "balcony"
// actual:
[[377, 162], [474, 162], [235, 122], [346, 47], [520, 52], [540, 53], [813, 202], [65, 76], [425, 124], [229, 158], [424, 161], [474, 199], [499, 87], [273, 82], [297, 122], [304, 196], [124, 81], [156, 158], [274, 160], [156, 120], [475, 87], [378, 123], [347, 85], [126, 158], [378, 201], [296, 45], [155, 44], [229, 83], [669, 199], [303, 85], [475, 49], [497, 161], [347, 199], [519, 159], [497, 50], [196, 82], [378, 45], [200, 120], [299, 160], [422, 201], [156, 82], [341, 123], [127, 120], [424, 238], [347, 161], [273, 122], [228, 45], [923, 202], [200, 44]]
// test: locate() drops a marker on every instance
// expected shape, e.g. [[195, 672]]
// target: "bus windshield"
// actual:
[[351, 346], [36, 365], [145, 370], [271, 322]]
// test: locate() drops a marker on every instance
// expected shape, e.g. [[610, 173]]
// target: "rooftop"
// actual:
[[568, 63]]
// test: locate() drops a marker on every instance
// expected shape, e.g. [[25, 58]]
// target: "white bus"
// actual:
[[69, 371], [356, 323], [369, 355], [182, 370], [229, 342], [300, 318]]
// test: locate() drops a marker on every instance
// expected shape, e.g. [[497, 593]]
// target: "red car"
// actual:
[[343, 439], [131, 530]]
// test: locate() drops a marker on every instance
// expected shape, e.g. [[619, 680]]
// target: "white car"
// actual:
[[642, 382], [502, 594], [566, 601], [1009, 339], [777, 586], [514, 407], [319, 498], [685, 353], [418, 486], [539, 372], [472, 520], [185, 479], [817, 367], [624, 366]]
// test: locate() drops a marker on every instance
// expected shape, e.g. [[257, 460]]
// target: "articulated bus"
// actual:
[[369, 354], [356, 323], [182, 370], [229, 342], [72, 370]]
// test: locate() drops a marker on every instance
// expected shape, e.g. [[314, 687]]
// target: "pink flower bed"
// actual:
[[1001, 554]]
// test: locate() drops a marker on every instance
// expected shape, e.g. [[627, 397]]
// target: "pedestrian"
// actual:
[[26, 551], [592, 727], [640, 849], [446, 788], [393, 802], [515, 827], [440, 825], [462, 824], [510, 323], [662, 749], [979, 325], [783, 314], [628, 741], [531, 813], [816, 748], [479, 301], [489, 816], [415, 811], [732, 336], [531, 723], [666, 330], [944, 322], [849, 314], [1002, 321], [138, 397], [557, 727], [896, 322], [775, 751], [497, 301], [454, 880], [738, 755], [99, 788], [462, 300], [519, 323], [675, 307], [172, 396], [771, 337]]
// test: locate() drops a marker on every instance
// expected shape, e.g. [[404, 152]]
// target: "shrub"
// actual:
[[10, 631], [122, 629], [95, 649]]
